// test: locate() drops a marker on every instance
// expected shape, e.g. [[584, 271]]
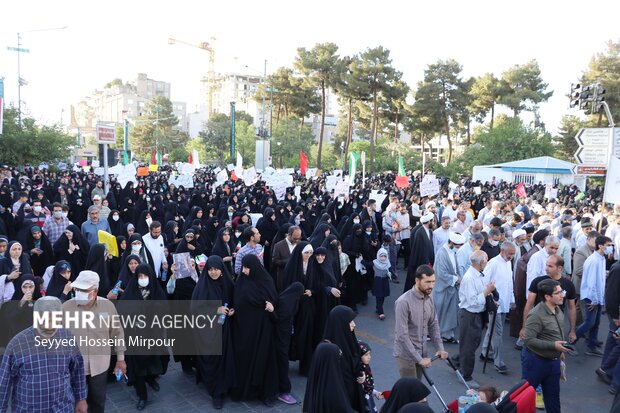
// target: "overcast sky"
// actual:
[[117, 39]]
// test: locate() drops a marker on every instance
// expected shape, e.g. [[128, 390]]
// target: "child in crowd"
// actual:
[[381, 284], [368, 385]]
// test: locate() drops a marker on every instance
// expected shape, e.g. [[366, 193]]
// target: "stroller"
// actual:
[[521, 398]]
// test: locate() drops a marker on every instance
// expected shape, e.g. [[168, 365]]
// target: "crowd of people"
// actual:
[[290, 273]]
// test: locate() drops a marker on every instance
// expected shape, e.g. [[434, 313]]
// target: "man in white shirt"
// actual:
[[537, 265], [441, 234], [154, 242], [499, 270], [472, 296], [459, 225], [462, 256]]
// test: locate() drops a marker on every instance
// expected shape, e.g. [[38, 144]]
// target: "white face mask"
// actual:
[[81, 296], [356, 221], [237, 234], [143, 282], [57, 214], [37, 209], [149, 221], [115, 217], [65, 214], [493, 243], [135, 248], [609, 249]]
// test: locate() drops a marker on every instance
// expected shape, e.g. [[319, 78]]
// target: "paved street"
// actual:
[[582, 393]]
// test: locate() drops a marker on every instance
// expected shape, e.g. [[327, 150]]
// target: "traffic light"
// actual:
[[599, 98], [575, 93]]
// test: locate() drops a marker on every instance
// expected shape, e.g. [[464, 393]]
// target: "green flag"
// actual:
[[401, 166], [125, 158], [158, 158], [353, 158]]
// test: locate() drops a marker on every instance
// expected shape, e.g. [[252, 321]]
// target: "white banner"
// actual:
[[342, 188], [429, 186], [185, 180], [612, 182]]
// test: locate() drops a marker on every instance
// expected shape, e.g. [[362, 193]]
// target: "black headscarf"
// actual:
[[337, 331], [318, 236], [325, 392], [97, 262], [293, 271], [210, 289], [61, 248], [116, 227], [405, 390], [57, 282], [133, 289], [267, 226], [125, 273], [18, 294], [6, 264]]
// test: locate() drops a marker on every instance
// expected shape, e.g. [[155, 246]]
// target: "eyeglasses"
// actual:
[[561, 293]]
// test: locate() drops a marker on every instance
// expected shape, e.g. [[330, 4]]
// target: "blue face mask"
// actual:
[[369, 232]]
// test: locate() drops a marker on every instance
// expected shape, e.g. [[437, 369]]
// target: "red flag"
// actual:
[[402, 181], [233, 176], [521, 190], [191, 158], [303, 162], [154, 157]]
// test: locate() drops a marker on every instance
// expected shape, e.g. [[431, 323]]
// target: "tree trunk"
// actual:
[[396, 127], [492, 115], [373, 130], [447, 127], [468, 131], [349, 131], [318, 157]]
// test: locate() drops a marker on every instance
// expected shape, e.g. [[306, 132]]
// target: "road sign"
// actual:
[[591, 170], [18, 49], [106, 134], [594, 146], [592, 155]]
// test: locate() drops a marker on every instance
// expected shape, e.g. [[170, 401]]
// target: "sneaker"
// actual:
[[287, 398], [594, 352], [473, 384], [602, 374], [540, 402], [502, 369]]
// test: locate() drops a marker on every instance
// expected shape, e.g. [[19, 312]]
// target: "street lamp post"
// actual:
[[341, 155], [21, 82]]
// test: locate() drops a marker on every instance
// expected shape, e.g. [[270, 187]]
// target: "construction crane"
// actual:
[[209, 47]]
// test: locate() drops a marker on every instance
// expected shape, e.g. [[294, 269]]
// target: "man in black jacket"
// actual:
[[611, 354]]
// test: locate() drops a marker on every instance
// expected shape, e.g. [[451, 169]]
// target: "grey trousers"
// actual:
[[470, 329], [496, 341]]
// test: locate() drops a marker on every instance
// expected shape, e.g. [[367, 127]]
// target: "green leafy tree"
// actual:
[[374, 67], [350, 89], [604, 68], [178, 154], [156, 128], [319, 65], [287, 141], [509, 140], [439, 99], [485, 92], [524, 88], [32, 143], [565, 141], [216, 136]]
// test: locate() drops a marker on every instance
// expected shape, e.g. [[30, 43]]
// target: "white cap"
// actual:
[[427, 217], [456, 238], [430, 204], [517, 233], [86, 280]]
